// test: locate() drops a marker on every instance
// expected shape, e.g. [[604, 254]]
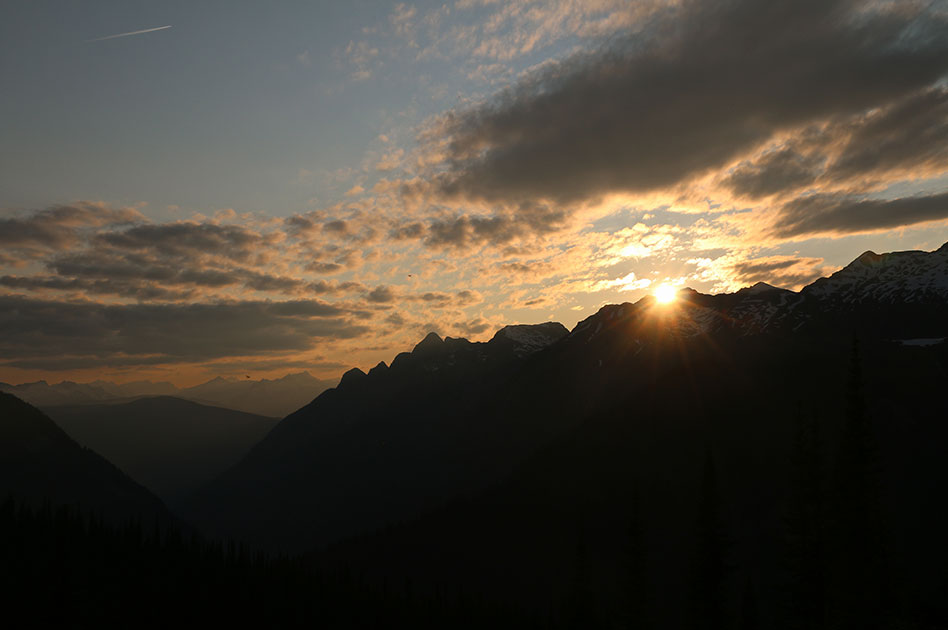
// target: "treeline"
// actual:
[[64, 567]]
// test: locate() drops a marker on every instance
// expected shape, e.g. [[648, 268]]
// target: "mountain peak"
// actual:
[[760, 287], [869, 257], [529, 338], [378, 369], [352, 376], [431, 343]]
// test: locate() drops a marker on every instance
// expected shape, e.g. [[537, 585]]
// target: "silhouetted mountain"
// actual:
[[39, 463], [528, 464], [383, 446], [638, 452], [274, 398], [169, 445], [452, 416]]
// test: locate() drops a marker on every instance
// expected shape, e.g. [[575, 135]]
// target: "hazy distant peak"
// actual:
[[297, 377]]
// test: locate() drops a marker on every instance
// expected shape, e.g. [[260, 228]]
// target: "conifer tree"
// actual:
[[708, 589], [807, 530], [637, 585], [861, 581], [580, 612], [749, 619]]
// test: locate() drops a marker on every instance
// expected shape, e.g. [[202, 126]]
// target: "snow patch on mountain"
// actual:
[[911, 276]]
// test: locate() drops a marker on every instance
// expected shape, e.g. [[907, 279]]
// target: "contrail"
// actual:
[[147, 30]]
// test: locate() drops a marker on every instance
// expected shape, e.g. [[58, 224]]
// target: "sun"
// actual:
[[665, 294]]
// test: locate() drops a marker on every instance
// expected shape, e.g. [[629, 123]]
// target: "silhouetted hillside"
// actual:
[[66, 568], [40, 463], [685, 422], [638, 461], [169, 445], [382, 446]]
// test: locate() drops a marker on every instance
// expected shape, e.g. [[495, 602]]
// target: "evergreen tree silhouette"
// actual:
[[710, 569], [749, 618], [861, 581], [580, 611], [807, 530], [637, 586]]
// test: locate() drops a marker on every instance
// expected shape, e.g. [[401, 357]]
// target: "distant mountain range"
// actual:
[[40, 464], [169, 445], [275, 398]]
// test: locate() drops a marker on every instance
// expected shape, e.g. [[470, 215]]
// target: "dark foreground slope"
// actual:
[[39, 463], [65, 568], [169, 445]]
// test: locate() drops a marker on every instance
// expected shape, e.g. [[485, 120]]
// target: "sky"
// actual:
[[262, 188]]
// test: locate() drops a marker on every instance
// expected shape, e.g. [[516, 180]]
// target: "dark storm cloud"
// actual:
[[57, 227], [912, 134], [845, 214], [776, 172], [909, 137], [780, 271], [319, 266], [464, 231], [474, 327], [409, 231], [707, 84], [467, 297], [337, 226], [381, 295], [188, 239], [124, 289], [138, 268], [33, 330]]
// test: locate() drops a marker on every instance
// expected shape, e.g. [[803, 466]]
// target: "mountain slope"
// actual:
[[639, 457], [169, 445], [39, 462], [452, 416], [381, 446]]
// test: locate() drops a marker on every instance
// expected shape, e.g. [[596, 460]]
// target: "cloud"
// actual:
[[844, 214], [465, 231], [381, 295], [184, 239], [906, 139], [58, 227], [791, 272], [699, 88], [910, 137], [94, 334], [775, 172]]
